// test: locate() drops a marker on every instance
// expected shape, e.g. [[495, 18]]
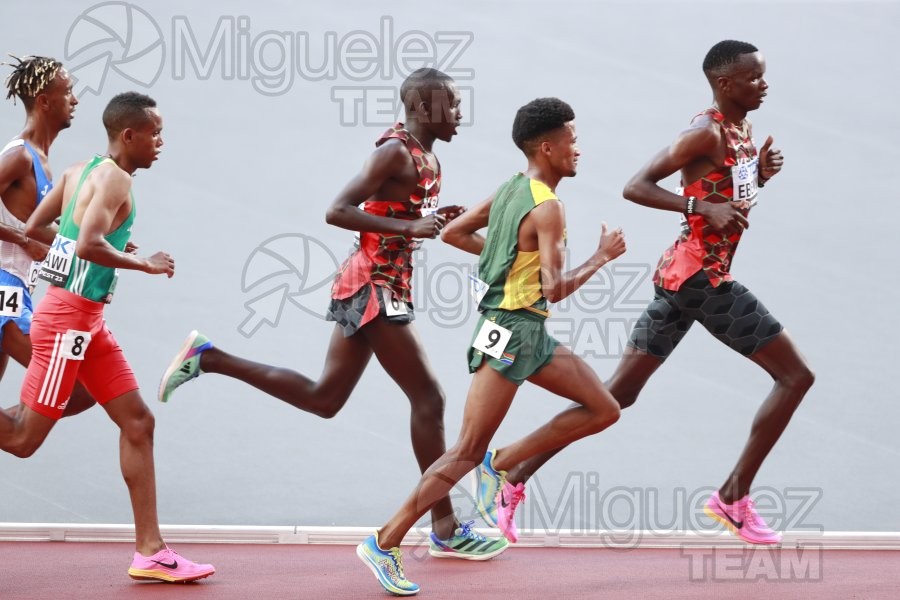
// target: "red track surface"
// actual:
[[97, 571]]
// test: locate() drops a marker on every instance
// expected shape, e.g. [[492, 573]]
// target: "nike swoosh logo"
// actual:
[[737, 524], [174, 564], [503, 500]]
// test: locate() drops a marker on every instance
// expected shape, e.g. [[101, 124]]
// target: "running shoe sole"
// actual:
[[151, 575]]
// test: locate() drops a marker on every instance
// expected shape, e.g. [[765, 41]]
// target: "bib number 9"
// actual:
[[492, 339]]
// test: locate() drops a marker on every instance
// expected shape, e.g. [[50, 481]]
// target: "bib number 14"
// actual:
[[10, 301]]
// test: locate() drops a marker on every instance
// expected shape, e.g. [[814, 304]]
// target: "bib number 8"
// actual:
[[75, 343]]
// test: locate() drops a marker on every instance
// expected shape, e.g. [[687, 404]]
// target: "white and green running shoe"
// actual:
[[185, 366], [467, 544]]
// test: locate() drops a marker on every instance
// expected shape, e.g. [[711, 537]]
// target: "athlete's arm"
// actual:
[[15, 164], [697, 143], [549, 220], [41, 224], [112, 187], [462, 232], [387, 162]]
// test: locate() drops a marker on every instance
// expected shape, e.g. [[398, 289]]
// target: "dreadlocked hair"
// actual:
[[30, 76]]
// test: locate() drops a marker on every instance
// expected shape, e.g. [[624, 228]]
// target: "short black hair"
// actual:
[[420, 84], [128, 109], [538, 117], [724, 54], [30, 76]]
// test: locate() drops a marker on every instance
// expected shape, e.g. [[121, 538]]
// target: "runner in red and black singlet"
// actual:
[[720, 172], [378, 273], [700, 245], [371, 301]]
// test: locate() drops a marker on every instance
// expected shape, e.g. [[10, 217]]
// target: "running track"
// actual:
[[97, 571]]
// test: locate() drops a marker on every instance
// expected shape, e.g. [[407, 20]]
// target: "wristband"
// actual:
[[689, 207], [761, 181]]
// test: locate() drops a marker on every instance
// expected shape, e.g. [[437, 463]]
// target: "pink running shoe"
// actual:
[[168, 565], [508, 499], [742, 519]]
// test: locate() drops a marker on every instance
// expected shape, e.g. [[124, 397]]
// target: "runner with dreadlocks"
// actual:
[[45, 89]]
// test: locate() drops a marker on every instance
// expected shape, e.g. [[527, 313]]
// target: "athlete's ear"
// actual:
[[127, 135], [723, 83], [42, 102]]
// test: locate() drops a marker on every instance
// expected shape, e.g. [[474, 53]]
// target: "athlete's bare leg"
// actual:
[[793, 378], [626, 383], [400, 351], [486, 405], [23, 433], [136, 424], [344, 365], [570, 377], [18, 346]]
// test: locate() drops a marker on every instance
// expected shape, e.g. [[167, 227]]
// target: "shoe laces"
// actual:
[[398, 561], [465, 531], [751, 515], [518, 495]]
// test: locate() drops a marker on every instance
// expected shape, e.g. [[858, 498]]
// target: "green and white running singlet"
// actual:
[[63, 268]]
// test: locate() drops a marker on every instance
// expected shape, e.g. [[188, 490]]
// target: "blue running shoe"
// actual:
[[467, 544], [387, 566], [489, 483]]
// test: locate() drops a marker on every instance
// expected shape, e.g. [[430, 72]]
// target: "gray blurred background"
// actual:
[[257, 146]]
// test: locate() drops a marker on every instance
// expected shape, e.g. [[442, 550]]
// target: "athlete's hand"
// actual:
[[160, 263], [131, 248], [35, 249], [726, 217], [770, 160], [612, 245], [451, 212], [427, 227]]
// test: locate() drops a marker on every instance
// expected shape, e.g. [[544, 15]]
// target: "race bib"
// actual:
[[33, 271], [75, 343], [393, 306], [11, 301], [58, 263], [743, 180], [477, 288], [492, 339]]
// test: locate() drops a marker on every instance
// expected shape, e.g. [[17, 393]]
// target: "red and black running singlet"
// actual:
[[700, 246], [384, 259]]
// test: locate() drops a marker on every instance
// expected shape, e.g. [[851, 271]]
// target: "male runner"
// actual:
[[45, 89], [69, 335], [720, 172], [521, 266], [371, 296]]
